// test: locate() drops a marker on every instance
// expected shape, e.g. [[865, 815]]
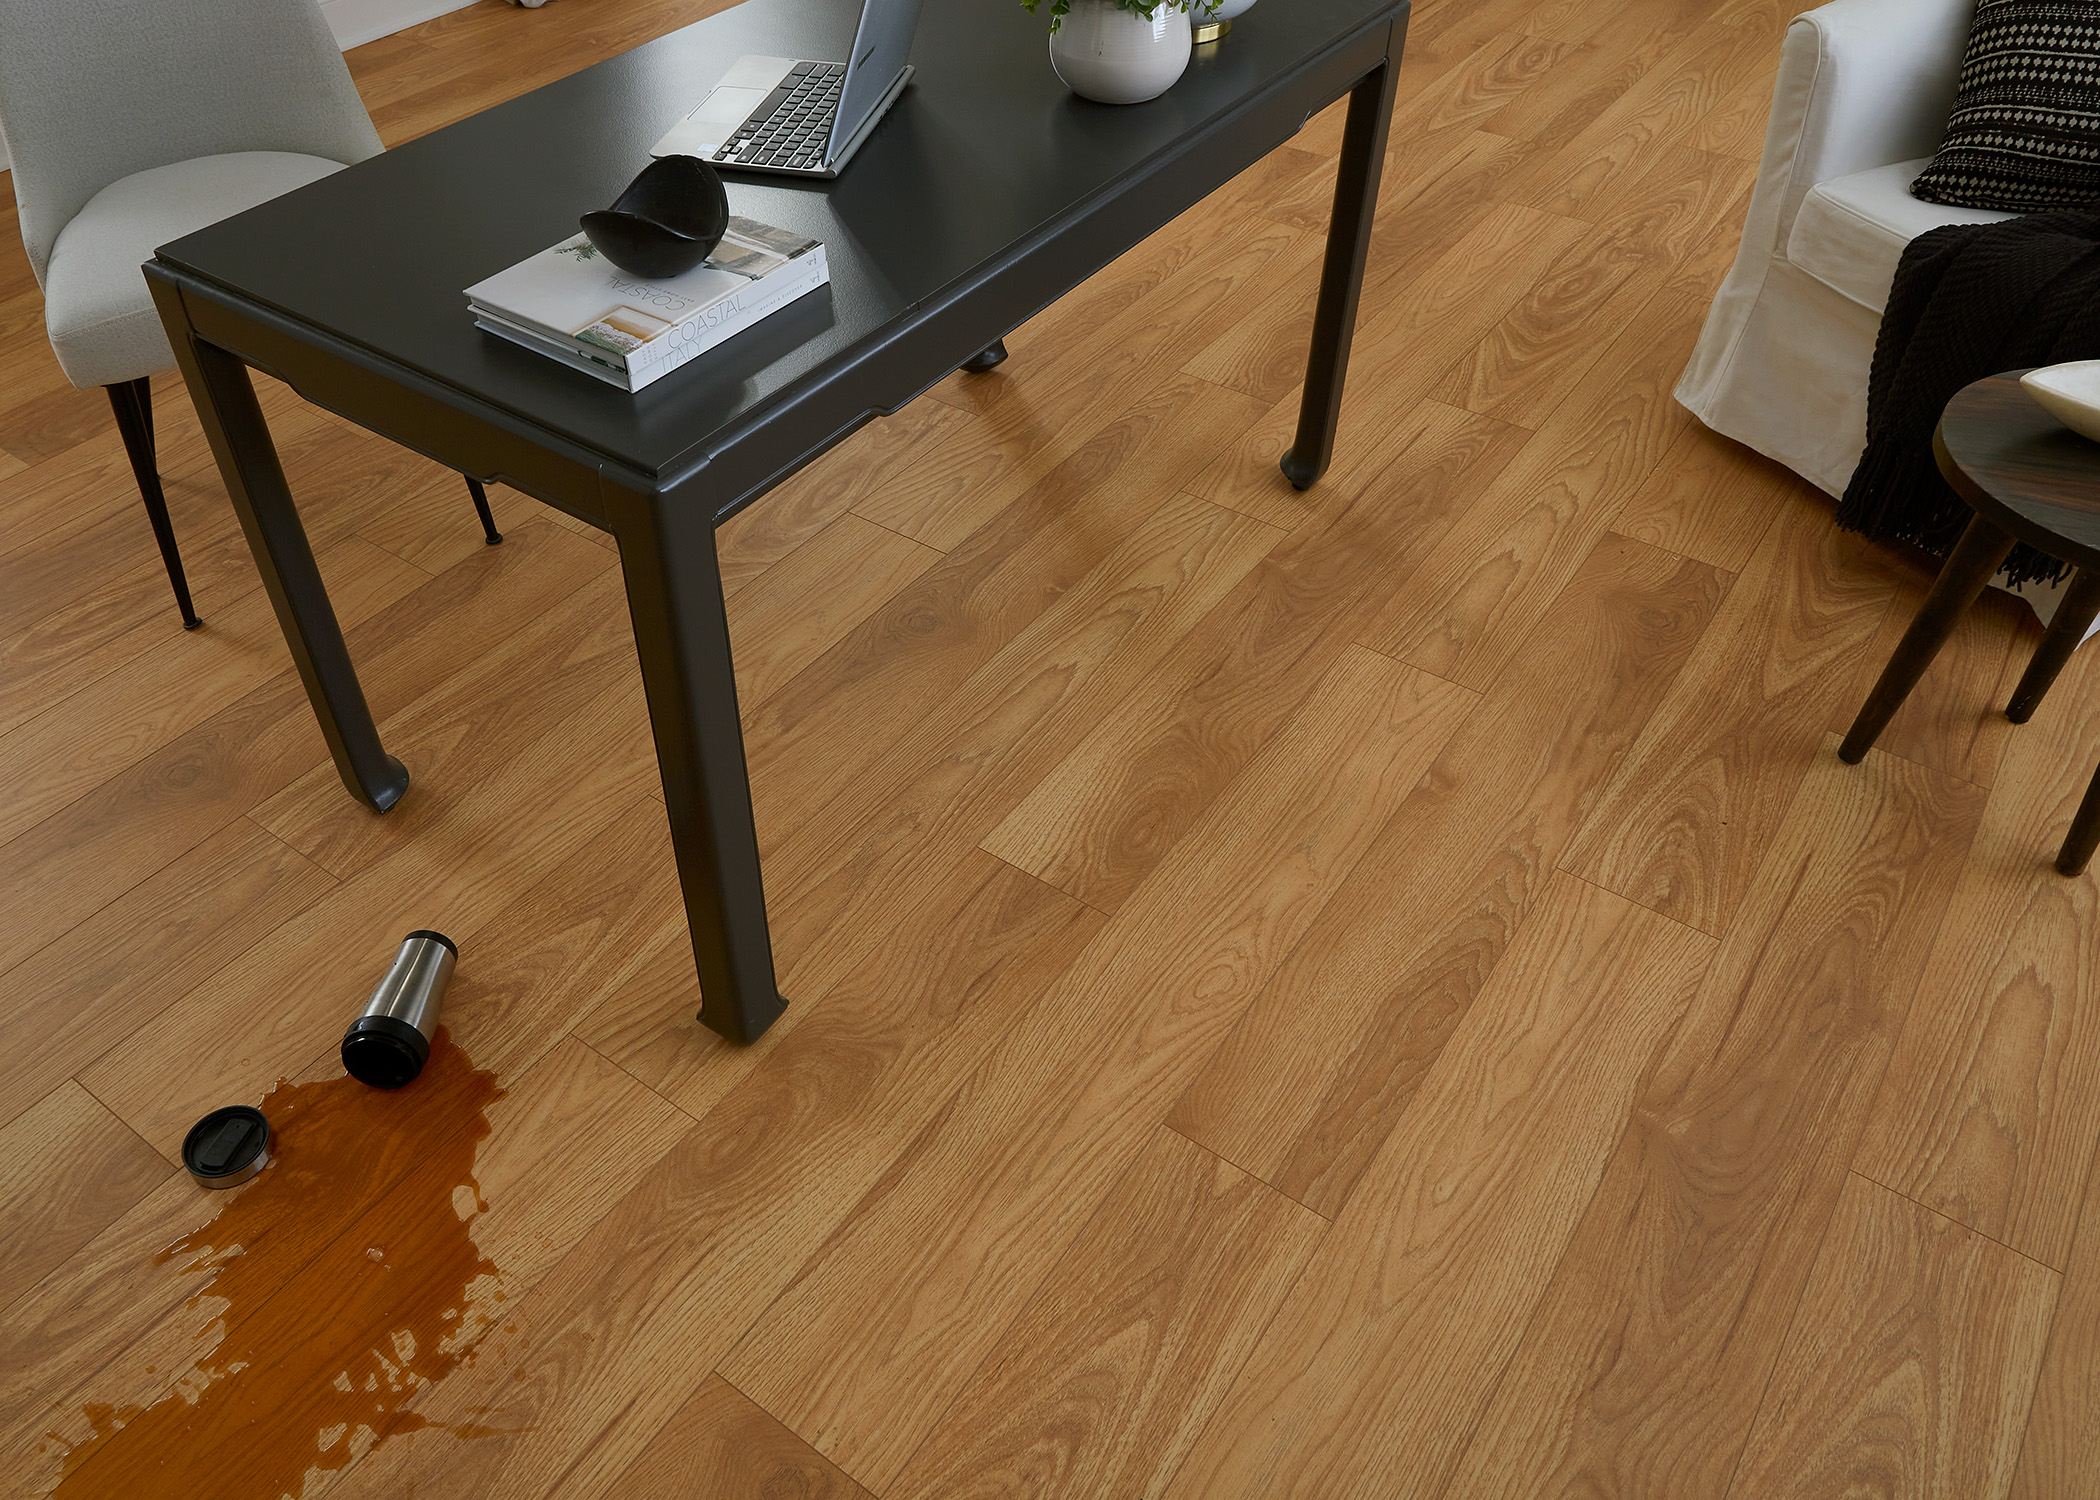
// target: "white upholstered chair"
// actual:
[[1862, 99], [132, 124], [1861, 102]]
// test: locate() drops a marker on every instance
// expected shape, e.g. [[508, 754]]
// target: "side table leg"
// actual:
[[2084, 836], [681, 633], [1981, 551], [1342, 276], [2074, 616], [240, 439]]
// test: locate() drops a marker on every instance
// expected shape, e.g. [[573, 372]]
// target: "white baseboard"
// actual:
[[356, 22]]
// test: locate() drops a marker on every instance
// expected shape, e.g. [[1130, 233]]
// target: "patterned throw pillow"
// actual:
[[2025, 132]]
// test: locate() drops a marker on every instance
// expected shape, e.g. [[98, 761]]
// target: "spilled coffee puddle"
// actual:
[[350, 1282]]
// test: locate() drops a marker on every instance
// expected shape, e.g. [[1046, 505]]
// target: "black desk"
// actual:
[[987, 193]]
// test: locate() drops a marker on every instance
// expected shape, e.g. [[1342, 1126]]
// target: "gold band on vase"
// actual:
[[1208, 31]]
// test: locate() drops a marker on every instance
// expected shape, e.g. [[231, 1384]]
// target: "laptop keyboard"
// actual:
[[791, 126]]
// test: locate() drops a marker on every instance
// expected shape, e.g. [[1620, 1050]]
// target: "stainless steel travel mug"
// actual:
[[387, 1046]]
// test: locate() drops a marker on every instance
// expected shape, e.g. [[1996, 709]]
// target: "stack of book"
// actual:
[[572, 304]]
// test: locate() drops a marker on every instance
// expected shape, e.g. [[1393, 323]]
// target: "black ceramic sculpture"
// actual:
[[668, 220]]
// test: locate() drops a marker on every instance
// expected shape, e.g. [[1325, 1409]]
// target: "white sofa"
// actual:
[[1862, 98]]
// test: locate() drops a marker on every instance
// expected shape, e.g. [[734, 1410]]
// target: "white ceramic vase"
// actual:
[[1105, 53]]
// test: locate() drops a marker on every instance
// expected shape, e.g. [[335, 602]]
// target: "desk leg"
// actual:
[[1342, 277], [240, 439], [681, 633]]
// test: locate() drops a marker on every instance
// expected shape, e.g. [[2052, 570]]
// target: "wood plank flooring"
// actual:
[[1385, 991]]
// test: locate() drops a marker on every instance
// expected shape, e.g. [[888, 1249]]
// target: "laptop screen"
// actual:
[[881, 46]]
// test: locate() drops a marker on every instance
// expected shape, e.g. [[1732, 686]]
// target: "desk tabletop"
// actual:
[[984, 151]]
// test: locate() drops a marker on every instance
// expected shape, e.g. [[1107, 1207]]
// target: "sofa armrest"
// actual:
[[1862, 83], [1883, 82]]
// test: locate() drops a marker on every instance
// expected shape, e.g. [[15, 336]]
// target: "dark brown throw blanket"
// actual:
[[1969, 300]]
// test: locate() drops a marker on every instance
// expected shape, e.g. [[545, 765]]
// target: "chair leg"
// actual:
[[132, 401], [2084, 836], [1981, 551], [984, 359], [481, 508], [2074, 616]]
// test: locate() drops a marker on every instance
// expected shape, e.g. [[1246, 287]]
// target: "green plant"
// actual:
[[1056, 9]]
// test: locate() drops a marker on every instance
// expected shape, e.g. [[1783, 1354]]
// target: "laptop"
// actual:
[[800, 117]]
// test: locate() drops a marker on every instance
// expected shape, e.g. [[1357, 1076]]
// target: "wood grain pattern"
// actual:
[[953, 472], [1491, 578], [948, 623], [99, 982], [870, 855], [67, 1167], [815, 595], [1708, 499], [126, 714], [881, 1330], [2017, 464], [1478, 85], [968, 762], [1444, 289], [1700, 273], [457, 742], [1910, 1361], [127, 1319], [1085, 378], [1595, 167], [1412, 340], [93, 483], [1547, 344], [1324, 1064], [1690, 812], [96, 598], [1735, 126], [548, 957], [718, 1443], [627, 1326], [1613, 49], [2060, 1452], [1106, 1378], [1991, 1108], [1367, 1383], [1108, 814], [263, 1017], [1642, 1371], [166, 803]]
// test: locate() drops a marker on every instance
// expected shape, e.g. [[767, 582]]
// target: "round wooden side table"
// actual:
[[2029, 478]]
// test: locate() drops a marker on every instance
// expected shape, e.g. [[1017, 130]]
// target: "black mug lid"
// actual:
[[384, 1052], [227, 1145]]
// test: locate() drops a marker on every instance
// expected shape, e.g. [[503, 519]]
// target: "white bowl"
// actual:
[[2070, 393]]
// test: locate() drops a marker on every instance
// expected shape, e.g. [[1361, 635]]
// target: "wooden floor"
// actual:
[[1385, 992]]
